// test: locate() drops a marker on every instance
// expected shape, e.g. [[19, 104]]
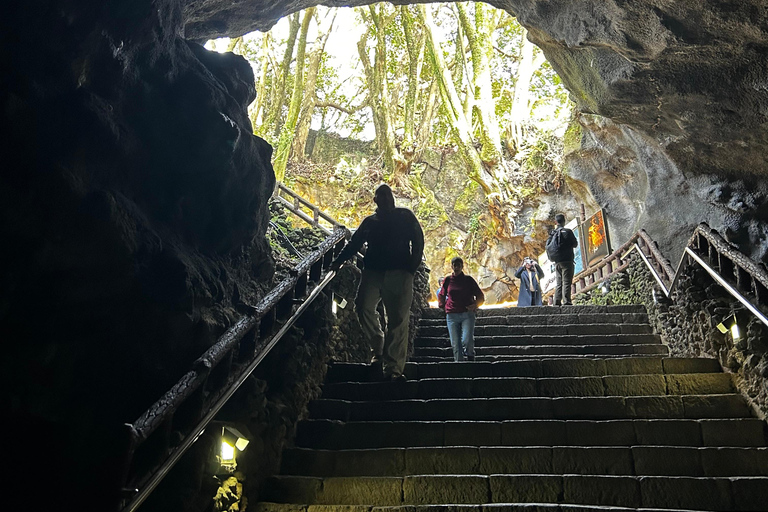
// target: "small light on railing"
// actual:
[[730, 324], [337, 303], [232, 441]]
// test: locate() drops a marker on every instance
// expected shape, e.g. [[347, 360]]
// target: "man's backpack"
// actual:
[[558, 248]]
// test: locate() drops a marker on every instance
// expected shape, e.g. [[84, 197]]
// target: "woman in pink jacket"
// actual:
[[460, 296]]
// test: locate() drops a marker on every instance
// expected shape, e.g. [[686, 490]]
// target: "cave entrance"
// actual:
[[449, 103]]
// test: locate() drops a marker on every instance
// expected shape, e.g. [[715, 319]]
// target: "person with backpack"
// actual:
[[460, 296], [530, 275], [560, 246]]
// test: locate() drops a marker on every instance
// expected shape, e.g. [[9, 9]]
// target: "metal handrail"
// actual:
[[296, 203], [195, 399], [741, 277]]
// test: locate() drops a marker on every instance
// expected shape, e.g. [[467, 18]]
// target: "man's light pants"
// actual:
[[395, 289]]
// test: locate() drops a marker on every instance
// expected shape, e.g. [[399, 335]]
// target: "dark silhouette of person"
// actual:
[[395, 248], [530, 275], [564, 261]]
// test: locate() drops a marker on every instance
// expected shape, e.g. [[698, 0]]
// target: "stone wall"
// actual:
[[687, 324]]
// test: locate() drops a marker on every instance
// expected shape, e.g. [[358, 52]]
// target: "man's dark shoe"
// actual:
[[376, 370], [396, 378], [470, 358]]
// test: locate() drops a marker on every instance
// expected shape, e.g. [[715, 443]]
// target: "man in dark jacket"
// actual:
[[566, 242], [395, 248]]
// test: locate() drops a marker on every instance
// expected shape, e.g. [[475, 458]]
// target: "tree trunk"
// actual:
[[521, 96], [287, 132], [495, 190], [310, 96], [414, 40], [257, 111], [379, 96], [451, 102], [479, 37], [275, 116]]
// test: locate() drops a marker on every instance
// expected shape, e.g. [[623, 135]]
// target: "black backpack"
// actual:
[[558, 248]]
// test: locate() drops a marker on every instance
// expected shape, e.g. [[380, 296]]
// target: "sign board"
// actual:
[[595, 236]]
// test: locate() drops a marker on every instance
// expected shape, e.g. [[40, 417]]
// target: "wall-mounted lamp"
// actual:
[[605, 287], [730, 324], [232, 441], [659, 297], [337, 302]]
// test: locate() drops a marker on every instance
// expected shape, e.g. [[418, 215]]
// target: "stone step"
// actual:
[[534, 367], [696, 493], [266, 506], [516, 339], [430, 313], [552, 348], [488, 387], [524, 357], [558, 460], [441, 331], [551, 320], [498, 409], [331, 434]]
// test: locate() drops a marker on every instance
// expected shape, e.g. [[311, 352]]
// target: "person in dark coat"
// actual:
[[530, 275]]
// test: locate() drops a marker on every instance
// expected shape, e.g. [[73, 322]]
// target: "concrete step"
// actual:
[[554, 347], [546, 336], [534, 367], [548, 320], [525, 357], [499, 409], [441, 331], [265, 506], [332, 434], [693, 493], [557, 460], [431, 313], [489, 387]]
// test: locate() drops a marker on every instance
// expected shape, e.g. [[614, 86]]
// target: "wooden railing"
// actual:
[[744, 279], [616, 262], [160, 436], [303, 209]]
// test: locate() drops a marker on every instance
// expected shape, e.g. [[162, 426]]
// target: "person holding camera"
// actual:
[[530, 275]]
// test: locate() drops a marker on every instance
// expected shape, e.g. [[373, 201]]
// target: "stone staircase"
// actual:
[[564, 409]]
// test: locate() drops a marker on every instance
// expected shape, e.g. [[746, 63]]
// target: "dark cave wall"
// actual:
[[132, 213], [133, 194]]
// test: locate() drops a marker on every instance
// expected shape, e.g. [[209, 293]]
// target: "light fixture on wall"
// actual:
[[605, 287], [659, 297], [232, 441], [337, 302], [730, 324]]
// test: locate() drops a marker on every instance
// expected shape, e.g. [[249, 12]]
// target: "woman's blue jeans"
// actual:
[[461, 329]]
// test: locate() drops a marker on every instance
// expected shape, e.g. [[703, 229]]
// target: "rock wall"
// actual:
[[132, 217], [637, 184], [687, 324]]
